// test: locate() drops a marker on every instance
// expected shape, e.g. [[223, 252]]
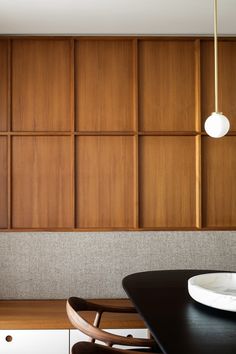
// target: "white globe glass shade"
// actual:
[[217, 125]]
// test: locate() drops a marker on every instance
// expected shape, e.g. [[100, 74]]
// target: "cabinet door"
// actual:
[[42, 182], [41, 85], [3, 182], [77, 336], [34, 342], [3, 84], [167, 85], [218, 182], [167, 181], [104, 85], [105, 181]]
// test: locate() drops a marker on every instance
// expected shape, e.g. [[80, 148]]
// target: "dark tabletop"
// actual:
[[179, 324]]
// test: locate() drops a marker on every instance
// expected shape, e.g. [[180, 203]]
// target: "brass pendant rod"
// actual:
[[216, 56]]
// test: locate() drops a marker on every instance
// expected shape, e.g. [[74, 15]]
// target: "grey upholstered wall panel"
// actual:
[[92, 265]]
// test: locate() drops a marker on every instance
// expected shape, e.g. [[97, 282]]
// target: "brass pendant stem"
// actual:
[[216, 56]]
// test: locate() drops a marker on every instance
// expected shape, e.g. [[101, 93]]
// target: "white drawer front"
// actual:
[[34, 342], [77, 336]]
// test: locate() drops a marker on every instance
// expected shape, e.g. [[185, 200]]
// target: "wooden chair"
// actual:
[[92, 348], [75, 305]]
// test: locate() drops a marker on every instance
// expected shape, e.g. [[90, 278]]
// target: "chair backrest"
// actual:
[[74, 305]]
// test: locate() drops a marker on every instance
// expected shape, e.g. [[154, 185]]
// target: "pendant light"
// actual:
[[217, 125]]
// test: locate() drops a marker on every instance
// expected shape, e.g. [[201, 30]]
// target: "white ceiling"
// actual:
[[115, 17]]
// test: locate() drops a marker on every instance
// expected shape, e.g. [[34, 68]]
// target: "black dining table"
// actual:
[[179, 324]]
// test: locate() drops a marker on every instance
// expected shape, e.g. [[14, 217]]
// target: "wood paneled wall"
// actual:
[[106, 133]]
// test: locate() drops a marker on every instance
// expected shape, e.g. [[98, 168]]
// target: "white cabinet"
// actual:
[[34, 341], [52, 341], [76, 336]]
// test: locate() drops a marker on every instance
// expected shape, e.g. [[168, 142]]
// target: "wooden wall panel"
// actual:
[[219, 182], [41, 85], [3, 84], [167, 181], [42, 182], [104, 85], [227, 80], [3, 182], [167, 85], [105, 181], [122, 153]]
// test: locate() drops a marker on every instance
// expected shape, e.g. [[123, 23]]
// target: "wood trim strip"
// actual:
[[9, 184], [9, 147], [73, 180], [119, 37], [39, 133], [167, 133], [107, 229], [197, 87], [9, 86], [198, 129], [136, 127], [73, 186], [95, 229], [135, 84], [198, 183], [106, 133], [150, 133], [72, 86]]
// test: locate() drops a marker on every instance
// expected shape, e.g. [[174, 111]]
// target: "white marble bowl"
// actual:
[[216, 290]]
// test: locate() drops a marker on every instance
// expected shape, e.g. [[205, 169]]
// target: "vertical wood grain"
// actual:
[[105, 181], [41, 87], [218, 182], [227, 80], [42, 182], [104, 85], [4, 97], [3, 182], [167, 181], [167, 85], [72, 85]]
